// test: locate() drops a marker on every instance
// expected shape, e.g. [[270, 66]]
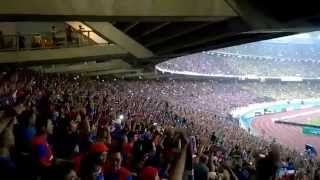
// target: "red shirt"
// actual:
[[148, 173], [42, 150], [77, 162], [120, 174], [127, 148]]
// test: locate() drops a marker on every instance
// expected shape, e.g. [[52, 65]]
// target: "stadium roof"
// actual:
[[159, 30]]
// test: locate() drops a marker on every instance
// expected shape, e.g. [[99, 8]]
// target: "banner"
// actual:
[[311, 131]]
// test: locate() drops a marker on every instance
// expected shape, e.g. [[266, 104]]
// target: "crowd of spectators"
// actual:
[[232, 62], [293, 51], [70, 127]]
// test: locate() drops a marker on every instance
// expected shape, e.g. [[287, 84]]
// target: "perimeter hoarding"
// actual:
[[311, 131]]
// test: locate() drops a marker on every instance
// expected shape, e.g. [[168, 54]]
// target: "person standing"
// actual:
[[69, 35], [80, 35], [92, 165], [8, 168], [21, 40], [1, 40], [54, 36], [201, 170], [115, 171], [41, 152]]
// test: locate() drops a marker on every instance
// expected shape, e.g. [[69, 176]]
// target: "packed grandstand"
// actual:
[[58, 126], [263, 59]]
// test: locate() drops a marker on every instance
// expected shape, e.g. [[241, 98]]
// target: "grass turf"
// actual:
[[315, 121]]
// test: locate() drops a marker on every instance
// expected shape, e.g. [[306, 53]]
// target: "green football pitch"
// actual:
[[315, 121]]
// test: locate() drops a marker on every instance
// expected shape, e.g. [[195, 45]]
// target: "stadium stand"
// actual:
[[97, 107], [67, 126], [297, 51], [222, 63]]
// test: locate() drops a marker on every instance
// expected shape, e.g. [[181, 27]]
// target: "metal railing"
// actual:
[[45, 40]]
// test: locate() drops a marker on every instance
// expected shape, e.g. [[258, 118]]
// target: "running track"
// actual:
[[289, 135]]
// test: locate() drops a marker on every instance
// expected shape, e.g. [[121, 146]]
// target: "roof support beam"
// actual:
[[217, 31], [194, 43], [65, 55], [87, 31], [253, 17], [293, 30], [108, 31], [227, 40], [156, 28], [186, 31], [130, 27], [108, 10]]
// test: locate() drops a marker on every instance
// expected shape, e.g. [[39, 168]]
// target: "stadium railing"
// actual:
[[44, 40]]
